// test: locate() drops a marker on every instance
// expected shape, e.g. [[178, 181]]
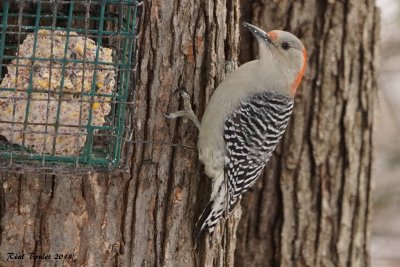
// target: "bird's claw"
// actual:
[[181, 91], [187, 111], [169, 116]]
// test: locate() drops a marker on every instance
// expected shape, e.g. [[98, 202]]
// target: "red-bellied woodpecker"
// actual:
[[245, 119]]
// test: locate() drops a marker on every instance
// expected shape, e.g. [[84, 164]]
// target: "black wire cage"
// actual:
[[66, 83]]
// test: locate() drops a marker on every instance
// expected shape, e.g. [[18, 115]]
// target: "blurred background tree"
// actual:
[[313, 206], [386, 192]]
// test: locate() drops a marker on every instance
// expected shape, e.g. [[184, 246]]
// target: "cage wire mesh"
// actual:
[[66, 79]]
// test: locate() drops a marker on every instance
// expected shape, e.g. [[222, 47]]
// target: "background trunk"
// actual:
[[312, 208]]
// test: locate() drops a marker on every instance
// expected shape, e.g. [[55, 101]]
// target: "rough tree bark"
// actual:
[[144, 218], [184, 43], [313, 206]]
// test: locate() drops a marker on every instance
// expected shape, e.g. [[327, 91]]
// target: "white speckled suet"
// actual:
[[55, 87]]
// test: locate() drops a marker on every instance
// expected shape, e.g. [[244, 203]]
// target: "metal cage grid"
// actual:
[[52, 123]]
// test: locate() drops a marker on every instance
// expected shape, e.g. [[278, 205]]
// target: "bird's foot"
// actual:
[[187, 111]]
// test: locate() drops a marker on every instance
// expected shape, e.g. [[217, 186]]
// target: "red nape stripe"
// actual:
[[297, 81], [272, 35]]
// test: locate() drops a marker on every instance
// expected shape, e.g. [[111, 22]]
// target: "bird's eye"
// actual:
[[285, 46]]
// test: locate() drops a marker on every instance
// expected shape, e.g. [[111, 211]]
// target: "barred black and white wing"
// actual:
[[251, 134]]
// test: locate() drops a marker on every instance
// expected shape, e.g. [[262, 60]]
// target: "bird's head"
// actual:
[[283, 52]]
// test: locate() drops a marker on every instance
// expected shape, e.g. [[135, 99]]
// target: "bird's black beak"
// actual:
[[257, 32]]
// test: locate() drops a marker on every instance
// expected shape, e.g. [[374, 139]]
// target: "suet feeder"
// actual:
[[66, 81]]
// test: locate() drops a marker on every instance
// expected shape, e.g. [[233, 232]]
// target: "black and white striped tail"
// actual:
[[211, 214]]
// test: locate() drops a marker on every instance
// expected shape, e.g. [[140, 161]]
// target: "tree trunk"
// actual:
[[184, 43], [313, 206], [146, 217]]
